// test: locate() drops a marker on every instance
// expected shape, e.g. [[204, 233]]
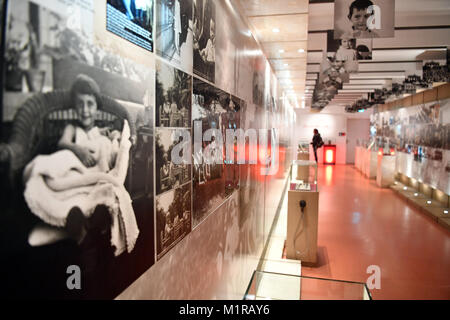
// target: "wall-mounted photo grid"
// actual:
[[76, 157], [204, 42], [173, 176], [421, 136], [214, 178]]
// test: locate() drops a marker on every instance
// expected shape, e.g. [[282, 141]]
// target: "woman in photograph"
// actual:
[[177, 25], [208, 53]]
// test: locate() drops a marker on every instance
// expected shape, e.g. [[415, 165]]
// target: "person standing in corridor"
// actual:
[[317, 142]]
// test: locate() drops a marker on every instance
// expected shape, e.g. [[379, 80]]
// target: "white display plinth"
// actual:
[[370, 164], [385, 171]]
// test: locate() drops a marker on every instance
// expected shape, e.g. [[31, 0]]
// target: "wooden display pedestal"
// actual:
[[302, 228], [303, 171]]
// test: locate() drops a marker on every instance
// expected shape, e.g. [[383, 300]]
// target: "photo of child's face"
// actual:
[[86, 106], [345, 43], [359, 19]]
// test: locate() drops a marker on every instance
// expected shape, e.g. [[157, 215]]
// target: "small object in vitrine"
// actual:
[[303, 186]]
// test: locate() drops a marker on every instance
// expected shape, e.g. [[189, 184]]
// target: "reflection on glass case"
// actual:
[[277, 286], [303, 146], [303, 175], [303, 150]]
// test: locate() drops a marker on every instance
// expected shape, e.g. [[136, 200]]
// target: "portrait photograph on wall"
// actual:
[[173, 32], [208, 105], [173, 218], [169, 173], [173, 96], [343, 51], [76, 162], [131, 20], [364, 19], [204, 41]]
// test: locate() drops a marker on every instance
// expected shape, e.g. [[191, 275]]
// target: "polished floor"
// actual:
[[362, 225]]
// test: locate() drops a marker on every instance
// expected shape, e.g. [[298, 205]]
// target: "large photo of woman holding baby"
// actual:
[[76, 166]]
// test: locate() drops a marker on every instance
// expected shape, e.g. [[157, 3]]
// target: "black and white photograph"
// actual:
[[170, 173], [204, 41], [208, 105], [258, 80], [364, 19], [173, 32], [131, 20], [343, 50], [364, 49], [434, 71], [231, 120], [76, 163], [173, 218], [173, 96]]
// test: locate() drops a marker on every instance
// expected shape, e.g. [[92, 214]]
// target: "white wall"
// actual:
[[329, 126], [357, 130]]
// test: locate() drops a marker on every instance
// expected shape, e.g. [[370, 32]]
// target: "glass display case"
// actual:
[[303, 150], [303, 213], [303, 146], [303, 175], [276, 286]]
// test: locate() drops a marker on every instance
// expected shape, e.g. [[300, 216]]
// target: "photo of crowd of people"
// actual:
[[173, 96], [204, 42], [436, 72], [69, 161], [173, 38], [173, 218], [421, 126], [170, 173], [214, 178]]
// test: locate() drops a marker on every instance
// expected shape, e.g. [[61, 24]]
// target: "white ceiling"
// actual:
[[422, 33]]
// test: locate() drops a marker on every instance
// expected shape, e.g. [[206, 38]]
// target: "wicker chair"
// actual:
[[39, 124], [37, 128]]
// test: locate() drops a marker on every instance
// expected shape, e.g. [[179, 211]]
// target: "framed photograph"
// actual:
[[364, 19], [169, 173], [131, 20], [173, 218], [76, 164], [204, 42], [173, 96], [173, 36], [209, 103]]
